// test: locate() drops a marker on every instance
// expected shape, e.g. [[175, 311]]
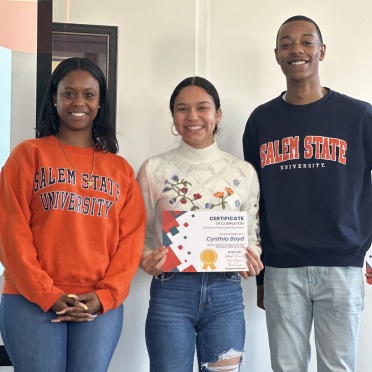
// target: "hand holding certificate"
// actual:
[[199, 241]]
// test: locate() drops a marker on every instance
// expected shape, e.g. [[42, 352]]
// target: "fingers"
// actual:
[[244, 274], [77, 302], [255, 258], [76, 308], [91, 301], [66, 301], [254, 264], [157, 268], [72, 310], [251, 271], [71, 316], [254, 261], [78, 313], [153, 262]]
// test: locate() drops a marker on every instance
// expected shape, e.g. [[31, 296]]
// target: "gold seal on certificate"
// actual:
[[200, 241], [208, 257]]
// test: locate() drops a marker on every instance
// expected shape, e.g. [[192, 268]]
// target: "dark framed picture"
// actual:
[[98, 43]]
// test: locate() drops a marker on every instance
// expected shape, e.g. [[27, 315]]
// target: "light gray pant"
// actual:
[[332, 298]]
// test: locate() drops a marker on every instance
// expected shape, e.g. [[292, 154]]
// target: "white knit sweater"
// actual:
[[198, 179]]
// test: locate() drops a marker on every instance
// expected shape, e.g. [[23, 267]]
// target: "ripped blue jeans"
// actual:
[[195, 310]]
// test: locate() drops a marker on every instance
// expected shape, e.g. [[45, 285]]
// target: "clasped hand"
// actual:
[[76, 308]]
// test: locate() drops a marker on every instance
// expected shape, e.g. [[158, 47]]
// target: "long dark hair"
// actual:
[[103, 131]]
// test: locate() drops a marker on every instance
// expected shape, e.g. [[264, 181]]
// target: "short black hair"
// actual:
[[300, 18]]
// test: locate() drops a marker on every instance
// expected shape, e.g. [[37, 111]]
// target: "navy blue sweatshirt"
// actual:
[[314, 164]]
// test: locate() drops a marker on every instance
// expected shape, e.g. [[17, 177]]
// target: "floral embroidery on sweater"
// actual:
[[180, 187]]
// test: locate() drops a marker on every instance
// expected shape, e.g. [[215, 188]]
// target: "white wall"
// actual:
[[231, 43], [22, 107]]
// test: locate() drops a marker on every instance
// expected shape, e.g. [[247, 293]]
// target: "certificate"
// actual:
[[200, 241]]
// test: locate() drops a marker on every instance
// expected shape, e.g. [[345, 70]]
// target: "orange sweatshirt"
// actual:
[[60, 236]]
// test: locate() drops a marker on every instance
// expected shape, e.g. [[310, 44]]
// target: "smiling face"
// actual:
[[77, 101], [299, 50], [195, 116]]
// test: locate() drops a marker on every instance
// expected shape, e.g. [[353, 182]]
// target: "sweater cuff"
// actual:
[[108, 300], [47, 301]]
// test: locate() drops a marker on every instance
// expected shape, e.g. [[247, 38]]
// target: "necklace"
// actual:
[[89, 181]]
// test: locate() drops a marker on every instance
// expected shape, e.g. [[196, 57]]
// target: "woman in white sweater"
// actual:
[[196, 309]]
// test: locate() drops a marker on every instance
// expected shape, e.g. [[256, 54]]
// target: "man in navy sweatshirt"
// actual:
[[312, 149]]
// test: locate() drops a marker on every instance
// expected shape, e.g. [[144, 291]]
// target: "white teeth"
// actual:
[[78, 114], [195, 128], [298, 62]]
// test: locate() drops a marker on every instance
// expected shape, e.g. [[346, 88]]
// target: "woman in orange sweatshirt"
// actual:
[[72, 223]]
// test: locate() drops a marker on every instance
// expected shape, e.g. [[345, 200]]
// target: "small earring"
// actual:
[[55, 105], [175, 134], [99, 107], [217, 128]]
